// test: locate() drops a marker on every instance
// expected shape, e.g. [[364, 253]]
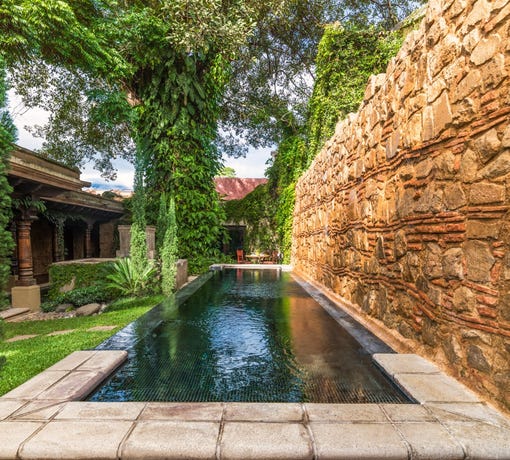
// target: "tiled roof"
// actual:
[[235, 188]]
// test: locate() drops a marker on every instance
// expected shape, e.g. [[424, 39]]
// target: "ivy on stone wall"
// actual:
[[77, 275], [347, 56], [7, 137], [286, 167]]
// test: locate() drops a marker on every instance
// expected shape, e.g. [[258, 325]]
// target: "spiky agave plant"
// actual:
[[129, 281]]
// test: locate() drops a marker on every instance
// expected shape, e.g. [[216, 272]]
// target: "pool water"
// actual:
[[245, 335]]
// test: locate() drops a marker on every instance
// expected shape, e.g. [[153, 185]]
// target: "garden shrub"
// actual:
[[7, 137], [99, 293], [168, 250], [128, 280], [84, 275]]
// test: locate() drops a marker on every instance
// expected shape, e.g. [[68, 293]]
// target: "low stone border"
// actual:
[[17, 338], [42, 419]]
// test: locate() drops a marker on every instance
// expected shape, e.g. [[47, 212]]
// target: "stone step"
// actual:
[[13, 312]]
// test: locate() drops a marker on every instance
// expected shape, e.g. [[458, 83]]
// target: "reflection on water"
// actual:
[[245, 335]]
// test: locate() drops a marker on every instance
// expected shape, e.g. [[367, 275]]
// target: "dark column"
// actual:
[[25, 262], [14, 257], [57, 245], [88, 240]]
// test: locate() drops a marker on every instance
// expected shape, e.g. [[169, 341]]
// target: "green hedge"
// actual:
[[84, 274]]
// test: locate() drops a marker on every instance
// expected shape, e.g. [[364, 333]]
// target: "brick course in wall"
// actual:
[[405, 213]]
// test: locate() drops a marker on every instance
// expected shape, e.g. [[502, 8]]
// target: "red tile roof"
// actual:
[[235, 188]]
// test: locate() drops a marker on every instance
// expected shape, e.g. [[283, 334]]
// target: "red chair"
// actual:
[[240, 256]]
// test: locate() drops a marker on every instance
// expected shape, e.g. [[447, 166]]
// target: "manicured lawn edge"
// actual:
[[26, 358]]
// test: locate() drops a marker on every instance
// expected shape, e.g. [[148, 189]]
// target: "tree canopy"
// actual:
[[155, 81]]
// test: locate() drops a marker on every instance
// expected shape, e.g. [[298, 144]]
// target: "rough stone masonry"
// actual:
[[405, 213]]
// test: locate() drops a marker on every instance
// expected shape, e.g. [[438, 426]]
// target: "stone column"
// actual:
[[88, 241], [124, 240], [26, 293], [25, 262], [58, 250]]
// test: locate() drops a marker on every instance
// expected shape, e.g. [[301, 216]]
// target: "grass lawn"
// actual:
[[26, 358]]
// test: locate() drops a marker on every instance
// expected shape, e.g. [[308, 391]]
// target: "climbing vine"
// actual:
[[256, 210], [168, 248], [7, 137], [176, 132], [347, 56]]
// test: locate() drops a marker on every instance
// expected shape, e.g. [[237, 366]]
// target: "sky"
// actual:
[[253, 165]]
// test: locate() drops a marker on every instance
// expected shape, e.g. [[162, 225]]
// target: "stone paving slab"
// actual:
[[12, 312], [190, 412], [8, 407], [345, 413], [75, 385], [104, 362], [33, 427], [172, 440], [355, 441], [257, 440], [434, 388], [431, 440], [467, 412], [12, 435], [18, 338], [38, 410], [36, 385], [481, 441], [72, 361], [407, 413], [86, 410], [394, 364], [63, 332], [71, 439], [268, 412], [101, 328]]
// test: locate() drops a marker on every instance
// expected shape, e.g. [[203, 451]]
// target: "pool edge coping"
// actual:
[[457, 425], [449, 420]]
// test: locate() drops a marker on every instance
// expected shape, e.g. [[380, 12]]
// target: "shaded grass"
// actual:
[[27, 358]]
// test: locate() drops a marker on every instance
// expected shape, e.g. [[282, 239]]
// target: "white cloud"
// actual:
[[254, 165]]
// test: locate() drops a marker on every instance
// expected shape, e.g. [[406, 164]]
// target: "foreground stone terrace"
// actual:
[[42, 419]]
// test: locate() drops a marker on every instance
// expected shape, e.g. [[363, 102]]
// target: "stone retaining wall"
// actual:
[[405, 213]]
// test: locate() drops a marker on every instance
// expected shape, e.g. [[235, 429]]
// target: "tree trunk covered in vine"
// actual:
[[175, 131]]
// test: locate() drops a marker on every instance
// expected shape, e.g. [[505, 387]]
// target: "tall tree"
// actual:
[[267, 98], [7, 136], [172, 59]]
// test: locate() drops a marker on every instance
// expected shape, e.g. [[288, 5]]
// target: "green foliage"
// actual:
[[284, 220], [129, 280], [273, 77], [80, 296], [256, 210], [348, 54], [27, 202], [199, 265], [168, 252], [131, 273], [83, 274], [176, 130], [126, 303], [283, 172], [346, 58], [2, 334], [226, 171], [7, 137]]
